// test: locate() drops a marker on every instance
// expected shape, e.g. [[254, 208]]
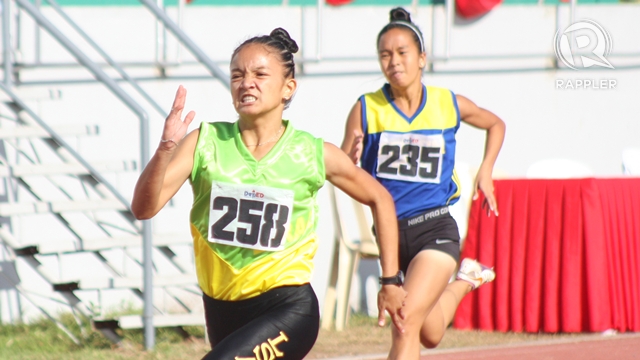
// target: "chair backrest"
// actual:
[[339, 227], [368, 246], [558, 169], [365, 244], [631, 161]]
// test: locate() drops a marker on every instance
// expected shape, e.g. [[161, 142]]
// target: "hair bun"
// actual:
[[399, 14], [282, 35]]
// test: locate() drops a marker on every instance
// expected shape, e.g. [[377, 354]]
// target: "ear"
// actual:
[[422, 60], [290, 86]]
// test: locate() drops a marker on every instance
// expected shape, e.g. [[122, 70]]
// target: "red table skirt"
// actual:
[[566, 255]]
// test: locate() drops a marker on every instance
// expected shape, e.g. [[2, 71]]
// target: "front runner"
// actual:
[[254, 212]]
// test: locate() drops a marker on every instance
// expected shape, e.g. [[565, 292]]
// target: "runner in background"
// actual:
[[404, 135]]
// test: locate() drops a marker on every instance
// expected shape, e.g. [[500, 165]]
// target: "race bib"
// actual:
[[410, 157], [248, 216]]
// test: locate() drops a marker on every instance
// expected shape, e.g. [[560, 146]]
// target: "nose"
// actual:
[[247, 83], [394, 60]]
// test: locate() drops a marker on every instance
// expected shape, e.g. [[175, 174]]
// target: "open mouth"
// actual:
[[248, 99]]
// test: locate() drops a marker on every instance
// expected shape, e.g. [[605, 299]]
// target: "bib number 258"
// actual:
[[249, 223]]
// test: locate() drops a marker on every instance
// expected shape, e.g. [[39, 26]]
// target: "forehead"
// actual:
[[254, 55], [398, 36]]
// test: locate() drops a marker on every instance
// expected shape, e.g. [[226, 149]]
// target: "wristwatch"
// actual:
[[397, 279]]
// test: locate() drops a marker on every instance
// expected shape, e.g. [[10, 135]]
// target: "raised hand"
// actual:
[[175, 128]]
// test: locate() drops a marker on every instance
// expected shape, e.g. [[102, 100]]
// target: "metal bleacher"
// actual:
[[58, 208]]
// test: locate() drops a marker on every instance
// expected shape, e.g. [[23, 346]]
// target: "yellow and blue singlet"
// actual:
[[412, 156]]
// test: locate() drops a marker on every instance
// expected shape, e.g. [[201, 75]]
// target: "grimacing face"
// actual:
[[400, 58], [258, 85]]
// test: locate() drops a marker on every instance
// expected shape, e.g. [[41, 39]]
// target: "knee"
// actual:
[[431, 341]]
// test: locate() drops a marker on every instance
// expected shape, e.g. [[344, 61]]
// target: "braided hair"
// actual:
[[284, 46]]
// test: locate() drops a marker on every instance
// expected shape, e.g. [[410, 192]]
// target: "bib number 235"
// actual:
[[410, 157]]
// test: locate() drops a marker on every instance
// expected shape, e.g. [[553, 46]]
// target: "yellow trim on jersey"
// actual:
[[290, 267], [439, 113], [455, 179]]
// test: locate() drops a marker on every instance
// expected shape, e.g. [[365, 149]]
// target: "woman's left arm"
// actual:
[[484, 119], [357, 183]]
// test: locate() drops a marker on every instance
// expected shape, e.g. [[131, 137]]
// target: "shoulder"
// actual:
[[378, 95], [441, 91], [218, 130], [302, 135], [217, 126]]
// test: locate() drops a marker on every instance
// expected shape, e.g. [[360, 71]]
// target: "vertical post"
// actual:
[[181, 4], [147, 248], [37, 35], [448, 13], [319, 33], [572, 20], [6, 42], [159, 37], [572, 12]]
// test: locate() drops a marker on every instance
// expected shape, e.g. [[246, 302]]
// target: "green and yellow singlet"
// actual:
[[254, 222]]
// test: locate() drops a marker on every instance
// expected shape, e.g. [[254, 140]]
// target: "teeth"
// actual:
[[249, 98]]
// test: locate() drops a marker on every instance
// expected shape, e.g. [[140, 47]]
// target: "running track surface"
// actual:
[[592, 347], [620, 347]]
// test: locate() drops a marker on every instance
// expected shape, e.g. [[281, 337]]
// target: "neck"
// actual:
[[409, 94], [260, 132]]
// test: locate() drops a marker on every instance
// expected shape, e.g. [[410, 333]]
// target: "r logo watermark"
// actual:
[[600, 45], [584, 44]]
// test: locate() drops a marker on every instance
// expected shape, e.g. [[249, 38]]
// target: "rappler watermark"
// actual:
[[584, 44]]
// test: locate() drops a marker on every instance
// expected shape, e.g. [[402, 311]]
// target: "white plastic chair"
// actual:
[[631, 161], [460, 210], [346, 256], [558, 169]]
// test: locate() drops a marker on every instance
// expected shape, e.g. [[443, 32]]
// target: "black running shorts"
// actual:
[[435, 229], [282, 323]]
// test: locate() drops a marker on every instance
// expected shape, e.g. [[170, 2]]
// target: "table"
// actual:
[[566, 254]]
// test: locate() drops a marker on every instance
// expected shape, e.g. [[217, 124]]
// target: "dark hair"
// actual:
[[400, 18], [285, 47]]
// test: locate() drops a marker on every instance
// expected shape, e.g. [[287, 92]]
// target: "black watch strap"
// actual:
[[397, 279]]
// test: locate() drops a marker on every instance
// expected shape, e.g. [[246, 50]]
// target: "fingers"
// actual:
[[475, 192], [381, 317], [357, 140], [397, 322], [356, 147], [491, 200], [490, 204], [189, 118], [178, 101]]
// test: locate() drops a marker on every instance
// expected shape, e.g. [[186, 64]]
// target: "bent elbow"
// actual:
[[141, 214]]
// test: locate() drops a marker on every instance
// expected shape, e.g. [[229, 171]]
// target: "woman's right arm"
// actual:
[[352, 142], [170, 166]]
